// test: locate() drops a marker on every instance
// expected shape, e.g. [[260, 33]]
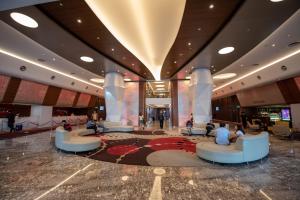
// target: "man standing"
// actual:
[[161, 120], [11, 121]]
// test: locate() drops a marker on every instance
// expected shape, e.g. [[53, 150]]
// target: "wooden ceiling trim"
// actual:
[[76, 99], [166, 75], [51, 96], [11, 90]]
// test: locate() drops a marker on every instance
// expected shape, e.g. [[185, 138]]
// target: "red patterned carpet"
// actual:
[[134, 151]]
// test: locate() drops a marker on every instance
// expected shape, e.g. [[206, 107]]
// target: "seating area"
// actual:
[[75, 141], [114, 127], [246, 149]]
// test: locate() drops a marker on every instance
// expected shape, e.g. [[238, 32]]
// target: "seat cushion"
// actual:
[[219, 153]]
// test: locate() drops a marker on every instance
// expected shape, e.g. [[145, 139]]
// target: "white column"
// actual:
[[114, 93], [42, 115], [201, 91]]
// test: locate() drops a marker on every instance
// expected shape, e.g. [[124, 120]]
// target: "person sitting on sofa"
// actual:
[[209, 127], [238, 133], [222, 135], [91, 125], [66, 125]]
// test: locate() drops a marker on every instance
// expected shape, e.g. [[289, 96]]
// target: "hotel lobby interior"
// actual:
[[150, 99]]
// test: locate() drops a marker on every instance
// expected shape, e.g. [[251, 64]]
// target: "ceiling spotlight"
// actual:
[[225, 76], [242, 65], [86, 59], [187, 77], [24, 20], [112, 49], [127, 79], [273, 45], [212, 66], [175, 61], [52, 77], [22, 68], [98, 38], [211, 6], [73, 83], [132, 64], [199, 29], [189, 44], [61, 4], [97, 80], [226, 50], [275, 1], [79, 21]]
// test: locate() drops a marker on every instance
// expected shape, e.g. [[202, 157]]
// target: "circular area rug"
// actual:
[[159, 151]]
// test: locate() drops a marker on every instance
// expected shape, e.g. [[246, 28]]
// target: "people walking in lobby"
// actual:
[[161, 120], [222, 135]]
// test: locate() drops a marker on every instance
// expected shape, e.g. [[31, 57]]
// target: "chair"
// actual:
[[282, 131]]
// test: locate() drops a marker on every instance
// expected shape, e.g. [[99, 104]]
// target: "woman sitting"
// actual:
[[238, 133], [91, 125]]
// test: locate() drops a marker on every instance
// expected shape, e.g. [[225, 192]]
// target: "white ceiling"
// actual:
[[146, 28], [270, 55], [13, 44]]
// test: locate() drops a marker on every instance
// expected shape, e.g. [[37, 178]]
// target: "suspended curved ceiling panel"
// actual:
[[146, 28]]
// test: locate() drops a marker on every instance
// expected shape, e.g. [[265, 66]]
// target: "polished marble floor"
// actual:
[[31, 168]]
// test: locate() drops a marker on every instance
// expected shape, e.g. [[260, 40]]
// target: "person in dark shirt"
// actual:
[[209, 127], [11, 121], [161, 120]]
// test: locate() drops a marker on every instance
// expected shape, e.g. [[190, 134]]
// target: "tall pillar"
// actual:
[[114, 92], [201, 91]]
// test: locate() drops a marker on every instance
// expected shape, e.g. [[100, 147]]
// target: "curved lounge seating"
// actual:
[[74, 141], [247, 148], [193, 131], [115, 127]]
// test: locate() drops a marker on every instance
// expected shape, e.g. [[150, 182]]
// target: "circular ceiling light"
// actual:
[[226, 50], [97, 80], [225, 76], [24, 20], [86, 59]]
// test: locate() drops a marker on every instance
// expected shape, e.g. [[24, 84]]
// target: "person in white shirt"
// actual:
[[142, 121], [222, 135]]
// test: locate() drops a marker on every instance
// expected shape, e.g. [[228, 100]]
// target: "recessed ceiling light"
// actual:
[[159, 85], [226, 50], [132, 64], [54, 59], [199, 29], [189, 44], [98, 38], [273, 45], [86, 59], [97, 80], [112, 49], [211, 6], [79, 21], [276, 0], [187, 77], [224, 76], [127, 79], [212, 66], [242, 65], [24, 20], [61, 4], [175, 61]]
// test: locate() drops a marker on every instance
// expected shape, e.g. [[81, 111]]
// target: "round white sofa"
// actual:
[[75, 141], [115, 127], [246, 149]]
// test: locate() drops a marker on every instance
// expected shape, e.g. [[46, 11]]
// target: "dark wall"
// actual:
[[229, 109], [22, 110]]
